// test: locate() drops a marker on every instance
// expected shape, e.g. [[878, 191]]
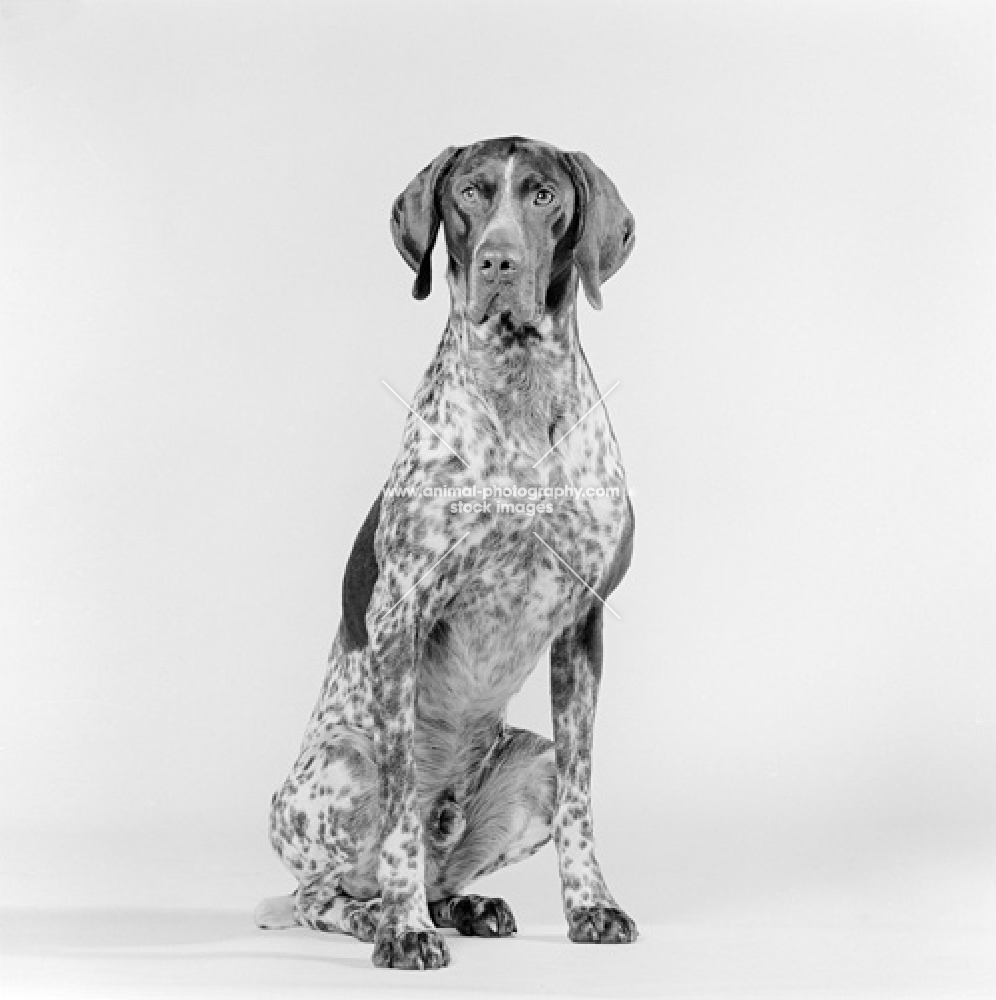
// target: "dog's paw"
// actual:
[[363, 921], [397, 948], [600, 925], [480, 916]]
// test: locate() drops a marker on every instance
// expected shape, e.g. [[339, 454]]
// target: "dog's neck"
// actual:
[[531, 379], [523, 372]]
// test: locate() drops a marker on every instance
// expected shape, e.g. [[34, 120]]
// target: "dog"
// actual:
[[409, 784]]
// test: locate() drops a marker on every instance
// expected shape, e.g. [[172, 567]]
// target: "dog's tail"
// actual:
[[277, 913]]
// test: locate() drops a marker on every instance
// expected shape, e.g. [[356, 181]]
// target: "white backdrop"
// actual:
[[199, 300]]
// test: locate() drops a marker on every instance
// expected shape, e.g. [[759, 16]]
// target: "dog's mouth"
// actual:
[[502, 309]]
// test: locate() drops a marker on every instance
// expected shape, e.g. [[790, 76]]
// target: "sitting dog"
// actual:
[[503, 527]]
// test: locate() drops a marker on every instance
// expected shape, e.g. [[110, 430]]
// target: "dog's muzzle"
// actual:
[[501, 283]]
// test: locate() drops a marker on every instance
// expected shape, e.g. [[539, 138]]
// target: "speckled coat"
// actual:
[[410, 784]]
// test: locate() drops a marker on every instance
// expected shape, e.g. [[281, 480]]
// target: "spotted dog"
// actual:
[[410, 784]]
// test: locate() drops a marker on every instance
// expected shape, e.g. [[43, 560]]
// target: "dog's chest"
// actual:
[[536, 509], [489, 641]]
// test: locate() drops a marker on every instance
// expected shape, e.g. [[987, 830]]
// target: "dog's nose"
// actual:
[[498, 263]]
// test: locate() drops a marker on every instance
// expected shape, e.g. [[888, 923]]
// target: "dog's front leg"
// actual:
[[406, 937], [576, 669]]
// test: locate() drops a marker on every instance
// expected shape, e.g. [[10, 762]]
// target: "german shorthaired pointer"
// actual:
[[410, 785]]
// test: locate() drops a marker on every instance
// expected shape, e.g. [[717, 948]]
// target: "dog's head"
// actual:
[[520, 219]]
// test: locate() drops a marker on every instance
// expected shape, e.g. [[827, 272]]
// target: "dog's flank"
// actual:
[[410, 784]]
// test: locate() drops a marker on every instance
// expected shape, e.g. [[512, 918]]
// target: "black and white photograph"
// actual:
[[497, 499]]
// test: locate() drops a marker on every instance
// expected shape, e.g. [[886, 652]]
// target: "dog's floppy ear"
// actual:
[[415, 220], [606, 227]]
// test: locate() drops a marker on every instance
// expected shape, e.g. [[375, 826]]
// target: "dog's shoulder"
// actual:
[[358, 581]]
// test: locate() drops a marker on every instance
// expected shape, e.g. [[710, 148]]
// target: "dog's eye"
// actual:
[[469, 193], [543, 197]]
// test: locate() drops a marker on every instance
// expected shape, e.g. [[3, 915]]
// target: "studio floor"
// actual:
[[104, 918]]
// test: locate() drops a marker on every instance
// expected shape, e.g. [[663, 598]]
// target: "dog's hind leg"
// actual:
[[508, 812], [327, 908], [323, 827], [322, 908]]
